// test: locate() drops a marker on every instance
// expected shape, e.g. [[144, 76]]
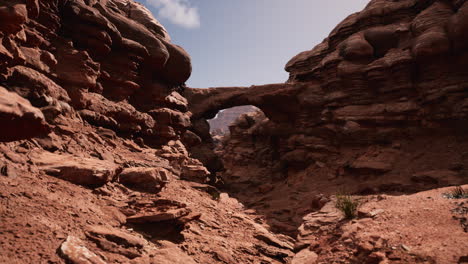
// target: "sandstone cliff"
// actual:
[[92, 163], [379, 107]]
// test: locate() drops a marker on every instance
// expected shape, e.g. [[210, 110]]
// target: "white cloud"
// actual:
[[179, 12]]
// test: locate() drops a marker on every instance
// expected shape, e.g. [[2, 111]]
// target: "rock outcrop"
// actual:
[[378, 107], [94, 166], [17, 113], [386, 81], [108, 61]]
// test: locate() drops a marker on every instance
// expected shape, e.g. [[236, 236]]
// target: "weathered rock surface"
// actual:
[[84, 171], [109, 60], [19, 119], [305, 256], [172, 255], [94, 122], [145, 178], [116, 241], [75, 252], [379, 101], [378, 107]]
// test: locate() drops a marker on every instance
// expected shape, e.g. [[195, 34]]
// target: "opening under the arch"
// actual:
[[219, 125]]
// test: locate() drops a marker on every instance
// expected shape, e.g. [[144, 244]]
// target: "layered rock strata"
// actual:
[[108, 62], [378, 107]]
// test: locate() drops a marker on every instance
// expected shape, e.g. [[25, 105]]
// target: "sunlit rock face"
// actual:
[[110, 61], [380, 100]]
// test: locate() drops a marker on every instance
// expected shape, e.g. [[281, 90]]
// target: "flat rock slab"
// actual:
[[145, 178], [149, 217], [75, 252], [115, 235], [371, 165], [83, 171], [116, 241], [262, 234], [197, 173]]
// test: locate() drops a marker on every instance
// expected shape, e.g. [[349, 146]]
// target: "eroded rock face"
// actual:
[[19, 119], [92, 105], [145, 178], [90, 89], [84, 171], [394, 71], [74, 251], [111, 60], [374, 108]]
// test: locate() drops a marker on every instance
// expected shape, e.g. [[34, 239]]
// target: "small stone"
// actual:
[[376, 212], [366, 247], [377, 256], [405, 247], [7, 170], [305, 256], [75, 252], [366, 214]]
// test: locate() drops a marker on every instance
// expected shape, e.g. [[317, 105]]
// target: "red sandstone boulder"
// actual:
[[178, 68], [116, 241], [19, 119], [78, 170], [145, 178], [13, 14], [355, 48]]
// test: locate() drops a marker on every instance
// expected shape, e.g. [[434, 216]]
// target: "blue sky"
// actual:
[[247, 42]]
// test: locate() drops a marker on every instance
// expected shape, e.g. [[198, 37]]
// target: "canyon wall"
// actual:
[[110, 62], [93, 134], [103, 64], [380, 106]]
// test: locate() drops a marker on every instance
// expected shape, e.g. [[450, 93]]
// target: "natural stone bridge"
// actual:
[[279, 102], [270, 98]]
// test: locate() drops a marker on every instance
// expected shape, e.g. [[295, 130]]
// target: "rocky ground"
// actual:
[[158, 218], [46, 220], [106, 156]]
